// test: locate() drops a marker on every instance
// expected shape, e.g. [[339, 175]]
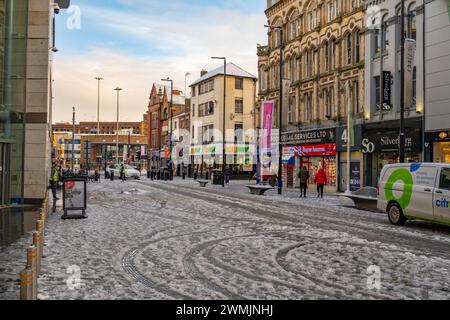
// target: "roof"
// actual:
[[232, 70], [177, 99]]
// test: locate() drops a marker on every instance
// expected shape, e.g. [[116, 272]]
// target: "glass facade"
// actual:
[[13, 53]]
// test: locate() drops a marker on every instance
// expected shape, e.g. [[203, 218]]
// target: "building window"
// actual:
[[414, 88], [308, 106], [239, 83], [357, 36], [208, 133], [328, 101], [193, 91], [238, 132], [206, 86], [349, 44], [206, 109], [193, 132], [193, 110], [384, 34], [377, 85], [239, 106]]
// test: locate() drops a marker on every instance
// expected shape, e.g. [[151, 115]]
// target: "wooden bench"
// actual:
[[364, 199], [203, 183], [259, 189]]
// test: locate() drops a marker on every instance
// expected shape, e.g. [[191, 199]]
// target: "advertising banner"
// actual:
[[386, 103], [410, 50], [267, 118], [74, 194], [355, 176]]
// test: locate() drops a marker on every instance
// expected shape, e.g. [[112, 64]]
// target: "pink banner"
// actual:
[[267, 114]]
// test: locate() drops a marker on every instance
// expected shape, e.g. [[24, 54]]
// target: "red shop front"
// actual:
[[316, 156]]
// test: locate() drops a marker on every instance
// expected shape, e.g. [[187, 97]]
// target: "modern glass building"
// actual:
[[13, 57]]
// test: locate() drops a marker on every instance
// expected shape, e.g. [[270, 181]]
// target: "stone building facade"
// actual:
[[323, 48]]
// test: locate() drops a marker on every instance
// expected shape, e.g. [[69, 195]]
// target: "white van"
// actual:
[[415, 191]]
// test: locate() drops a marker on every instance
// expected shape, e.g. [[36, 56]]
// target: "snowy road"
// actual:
[[175, 240]]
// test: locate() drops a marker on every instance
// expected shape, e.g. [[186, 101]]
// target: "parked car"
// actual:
[[130, 172], [415, 191]]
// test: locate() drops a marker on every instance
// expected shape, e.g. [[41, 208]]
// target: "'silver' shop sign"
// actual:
[[318, 136]]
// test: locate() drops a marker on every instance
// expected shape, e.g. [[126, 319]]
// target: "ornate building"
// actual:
[[323, 48]]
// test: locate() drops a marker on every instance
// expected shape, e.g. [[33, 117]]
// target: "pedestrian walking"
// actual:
[[122, 172], [321, 181], [54, 180], [303, 176]]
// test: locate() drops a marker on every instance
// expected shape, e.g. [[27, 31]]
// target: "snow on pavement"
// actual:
[[175, 240]]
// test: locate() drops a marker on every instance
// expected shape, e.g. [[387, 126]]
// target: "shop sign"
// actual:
[[342, 138], [387, 91], [438, 136], [288, 156], [321, 136], [389, 142], [328, 149]]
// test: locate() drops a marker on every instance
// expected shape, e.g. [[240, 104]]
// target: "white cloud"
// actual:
[[191, 38]]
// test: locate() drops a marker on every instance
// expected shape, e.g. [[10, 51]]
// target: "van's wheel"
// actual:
[[395, 214]]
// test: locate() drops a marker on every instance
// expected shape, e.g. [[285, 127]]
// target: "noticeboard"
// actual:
[[74, 194]]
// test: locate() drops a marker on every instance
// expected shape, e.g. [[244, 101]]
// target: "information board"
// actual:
[[74, 195]]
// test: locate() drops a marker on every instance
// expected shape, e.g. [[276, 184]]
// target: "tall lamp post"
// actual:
[[280, 109], [402, 83], [98, 104], [171, 127], [117, 129], [73, 140], [224, 157]]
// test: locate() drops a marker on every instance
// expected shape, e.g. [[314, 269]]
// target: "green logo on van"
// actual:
[[400, 175]]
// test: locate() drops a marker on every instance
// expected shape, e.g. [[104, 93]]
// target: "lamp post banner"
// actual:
[[267, 115], [410, 50]]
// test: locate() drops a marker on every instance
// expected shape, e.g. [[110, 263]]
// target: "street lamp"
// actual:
[[171, 128], [117, 132], [224, 112], [280, 117], [98, 104]]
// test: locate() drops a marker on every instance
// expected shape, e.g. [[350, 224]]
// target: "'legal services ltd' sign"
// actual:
[[321, 136]]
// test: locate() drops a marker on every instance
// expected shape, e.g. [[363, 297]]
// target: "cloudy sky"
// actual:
[[133, 43]]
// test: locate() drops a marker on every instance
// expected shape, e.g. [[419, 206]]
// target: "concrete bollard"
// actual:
[[37, 244], [32, 253], [26, 285]]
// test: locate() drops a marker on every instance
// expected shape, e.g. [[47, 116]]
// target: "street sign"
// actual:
[[74, 198]]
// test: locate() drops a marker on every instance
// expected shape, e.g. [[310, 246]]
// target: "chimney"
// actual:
[[203, 72]]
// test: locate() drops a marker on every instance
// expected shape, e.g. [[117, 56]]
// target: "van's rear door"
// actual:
[[441, 199]]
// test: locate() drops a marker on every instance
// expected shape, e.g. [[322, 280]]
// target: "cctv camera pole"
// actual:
[[224, 156], [117, 129], [402, 83], [98, 104]]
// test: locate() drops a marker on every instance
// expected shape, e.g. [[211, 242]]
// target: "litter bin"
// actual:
[[217, 177], [112, 175]]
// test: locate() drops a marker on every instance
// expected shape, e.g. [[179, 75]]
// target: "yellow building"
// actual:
[[207, 117], [323, 48]]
